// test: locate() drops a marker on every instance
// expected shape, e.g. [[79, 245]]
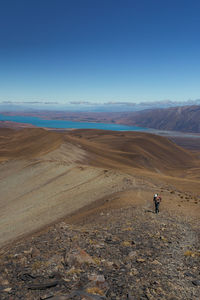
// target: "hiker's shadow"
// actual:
[[149, 211]]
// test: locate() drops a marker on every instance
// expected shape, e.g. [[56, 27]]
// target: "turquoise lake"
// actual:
[[68, 124]]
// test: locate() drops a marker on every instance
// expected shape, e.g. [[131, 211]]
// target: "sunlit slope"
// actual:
[[45, 175], [40, 184], [27, 143], [134, 149]]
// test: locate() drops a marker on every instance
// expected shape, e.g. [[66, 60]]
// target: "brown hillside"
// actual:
[[89, 193], [27, 143], [46, 175], [133, 149]]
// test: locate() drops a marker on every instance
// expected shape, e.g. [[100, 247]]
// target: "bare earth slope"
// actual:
[[135, 149], [27, 143], [40, 184], [47, 175], [92, 190]]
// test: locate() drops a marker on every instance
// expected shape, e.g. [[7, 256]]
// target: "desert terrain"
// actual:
[[89, 193]]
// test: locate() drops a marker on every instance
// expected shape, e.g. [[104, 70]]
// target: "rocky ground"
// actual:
[[124, 253]]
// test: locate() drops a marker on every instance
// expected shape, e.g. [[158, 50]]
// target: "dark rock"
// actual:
[[26, 277], [196, 282], [47, 296], [43, 286], [189, 274]]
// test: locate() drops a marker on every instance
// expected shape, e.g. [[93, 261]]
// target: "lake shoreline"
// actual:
[[20, 122]]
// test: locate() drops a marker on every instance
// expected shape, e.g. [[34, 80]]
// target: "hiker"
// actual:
[[157, 199]]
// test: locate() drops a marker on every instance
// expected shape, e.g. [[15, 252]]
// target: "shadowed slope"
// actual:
[[185, 118]]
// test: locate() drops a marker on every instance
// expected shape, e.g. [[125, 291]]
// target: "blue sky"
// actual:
[[99, 50]]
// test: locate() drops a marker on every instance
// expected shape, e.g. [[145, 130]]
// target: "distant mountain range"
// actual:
[[88, 106], [182, 118]]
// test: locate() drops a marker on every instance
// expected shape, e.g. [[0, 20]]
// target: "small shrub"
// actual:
[[95, 290]]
